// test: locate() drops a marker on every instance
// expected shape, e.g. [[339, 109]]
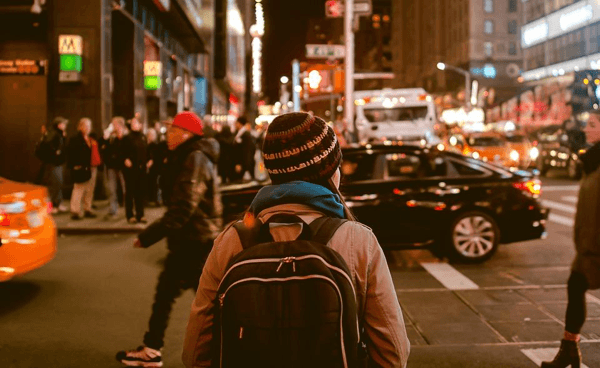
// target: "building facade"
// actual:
[[102, 58], [481, 36]]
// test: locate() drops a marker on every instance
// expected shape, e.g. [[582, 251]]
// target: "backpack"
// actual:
[[287, 304], [43, 150]]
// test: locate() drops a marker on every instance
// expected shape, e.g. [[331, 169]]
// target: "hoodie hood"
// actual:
[[208, 146], [591, 159]]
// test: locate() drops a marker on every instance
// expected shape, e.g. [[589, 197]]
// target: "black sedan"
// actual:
[[559, 149], [425, 197]]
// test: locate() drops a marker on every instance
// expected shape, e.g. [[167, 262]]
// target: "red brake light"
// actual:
[[533, 187], [49, 205], [4, 220]]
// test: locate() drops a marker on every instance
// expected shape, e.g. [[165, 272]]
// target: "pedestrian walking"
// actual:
[[51, 151], [585, 270], [136, 164], [157, 153], [190, 224], [302, 213], [79, 159], [112, 153], [227, 156], [245, 146]]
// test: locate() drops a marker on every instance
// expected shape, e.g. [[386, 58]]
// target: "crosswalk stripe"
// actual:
[[559, 206], [560, 188], [543, 355], [570, 199], [563, 220], [449, 276]]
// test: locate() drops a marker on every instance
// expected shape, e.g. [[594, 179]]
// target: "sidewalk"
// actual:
[[99, 225]]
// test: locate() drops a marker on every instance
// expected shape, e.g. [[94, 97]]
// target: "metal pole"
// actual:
[[296, 84], [349, 66], [468, 90]]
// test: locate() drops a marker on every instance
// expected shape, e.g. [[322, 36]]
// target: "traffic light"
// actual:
[[334, 9]]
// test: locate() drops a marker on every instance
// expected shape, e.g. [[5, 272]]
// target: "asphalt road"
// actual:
[[94, 299]]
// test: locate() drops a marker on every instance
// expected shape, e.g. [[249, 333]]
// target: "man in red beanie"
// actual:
[[190, 224]]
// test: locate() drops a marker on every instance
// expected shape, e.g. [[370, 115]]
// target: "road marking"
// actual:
[[560, 188], [449, 276], [559, 206], [567, 221], [570, 199], [543, 355]]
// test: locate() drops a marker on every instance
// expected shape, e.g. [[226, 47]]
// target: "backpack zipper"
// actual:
[[222, 300]]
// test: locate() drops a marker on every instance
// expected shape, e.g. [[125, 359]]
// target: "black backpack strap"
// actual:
[[324, 227], [248, 235]]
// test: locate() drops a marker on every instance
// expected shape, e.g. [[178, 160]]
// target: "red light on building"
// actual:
[[334, 9]]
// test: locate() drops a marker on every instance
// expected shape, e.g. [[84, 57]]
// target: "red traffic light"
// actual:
[[334, 8]]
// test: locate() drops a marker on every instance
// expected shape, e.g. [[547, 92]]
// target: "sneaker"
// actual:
[[110, 217], [132, 221], [143, 356], [142, 220], [89, 214], [76, 216], [63, 208], [54, 210]]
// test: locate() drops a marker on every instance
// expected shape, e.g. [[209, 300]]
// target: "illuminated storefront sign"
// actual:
[[535, 34], [576, 17], [70, 49], [152, 72], [257, 31], [22, 67]]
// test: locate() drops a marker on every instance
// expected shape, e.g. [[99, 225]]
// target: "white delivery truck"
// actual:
[[395, 115]]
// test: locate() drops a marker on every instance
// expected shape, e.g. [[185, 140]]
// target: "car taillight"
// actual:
[[533, 187], [4, 220], [49, 206]]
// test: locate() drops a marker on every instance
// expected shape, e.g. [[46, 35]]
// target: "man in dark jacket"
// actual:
[[112, 154], [51, 151], [245, 148], [80, 162], [136, 162], [190, 224]]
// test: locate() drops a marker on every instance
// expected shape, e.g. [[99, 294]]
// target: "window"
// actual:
[[488, 27], [357, 167], [400, 165], [512, 48], [396, 114], [465, 169], [486, 142], [512, 6], [512, 27], [488, 48], [488, 6]]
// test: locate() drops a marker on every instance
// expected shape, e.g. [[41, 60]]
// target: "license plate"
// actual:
[[35, 219]]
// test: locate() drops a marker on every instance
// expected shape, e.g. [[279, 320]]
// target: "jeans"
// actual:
[[83, 193], [135, 184], [113, 178], [53, 179], [576, 311], [181, 271]]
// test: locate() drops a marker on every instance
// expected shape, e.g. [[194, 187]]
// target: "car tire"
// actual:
[[473, 237], [573, 169]]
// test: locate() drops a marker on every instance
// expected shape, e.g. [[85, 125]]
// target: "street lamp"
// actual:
[[444, 66], [284, 80]]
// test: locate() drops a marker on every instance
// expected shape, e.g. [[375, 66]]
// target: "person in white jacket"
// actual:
[[302, 156]]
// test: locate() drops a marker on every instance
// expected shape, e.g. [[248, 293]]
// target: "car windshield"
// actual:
[[516, 138], [396, 114], [485, 141]]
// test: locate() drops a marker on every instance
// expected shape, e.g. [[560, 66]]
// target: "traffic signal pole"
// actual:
[[349, 65]]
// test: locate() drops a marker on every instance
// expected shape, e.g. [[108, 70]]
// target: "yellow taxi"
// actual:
[[27, 230], [486, 146], [520, 143]]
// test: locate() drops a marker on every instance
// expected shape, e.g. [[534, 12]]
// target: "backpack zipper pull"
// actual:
[[221, 298], [291, 260]]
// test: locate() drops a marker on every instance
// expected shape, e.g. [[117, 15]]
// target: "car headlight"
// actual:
[[534, 153], [475, 155], [514, 155]]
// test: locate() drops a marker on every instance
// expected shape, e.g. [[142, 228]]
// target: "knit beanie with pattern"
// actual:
[[300, 146]]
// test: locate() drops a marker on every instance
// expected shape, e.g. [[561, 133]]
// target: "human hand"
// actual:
[[137, 243], [128, 163], [149, 164], [238, 168]]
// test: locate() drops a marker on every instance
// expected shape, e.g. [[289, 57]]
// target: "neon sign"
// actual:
[[576, 17], [535, 34]]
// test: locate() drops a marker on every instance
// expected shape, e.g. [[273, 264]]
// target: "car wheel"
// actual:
[[573, 169], [473, 238]]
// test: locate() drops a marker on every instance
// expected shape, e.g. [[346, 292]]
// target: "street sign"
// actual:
[[325, 51], [335, 8]]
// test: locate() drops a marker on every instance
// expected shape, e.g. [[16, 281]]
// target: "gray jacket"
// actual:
[[378, 305]]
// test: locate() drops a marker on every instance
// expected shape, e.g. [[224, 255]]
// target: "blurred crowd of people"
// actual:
[[132, 163]]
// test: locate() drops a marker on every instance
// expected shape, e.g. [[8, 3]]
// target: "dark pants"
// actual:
[[53, 179], [135, 187], [181, 271], [576, 311], [153, 189]]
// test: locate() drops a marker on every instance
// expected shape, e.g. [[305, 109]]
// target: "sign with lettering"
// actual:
[[325, 51], [152, 73], [70, 44], [23, 67]]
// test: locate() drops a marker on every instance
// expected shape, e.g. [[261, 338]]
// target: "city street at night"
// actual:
[[94, 299]]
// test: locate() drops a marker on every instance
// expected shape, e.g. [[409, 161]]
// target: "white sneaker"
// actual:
[[143, 356]]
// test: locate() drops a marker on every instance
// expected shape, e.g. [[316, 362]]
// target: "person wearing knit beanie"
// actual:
[[300, 146]]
